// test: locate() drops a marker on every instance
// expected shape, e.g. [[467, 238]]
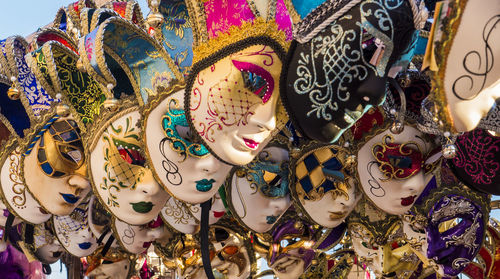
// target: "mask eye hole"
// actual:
[[256, 79], [401, 162], [254, 83], [185, 133], [221, 235], [130, 153], [449, 224], [272, 179]]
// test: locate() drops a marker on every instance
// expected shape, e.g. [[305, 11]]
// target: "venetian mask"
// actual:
[[466, 75], [137, 239], [291, 251], [379, 242], [390, 168], [323, 185], [339, 65], [185, 169], [233, 88], [453, 218], [120, 179], [73, 232], [187, 256], [261, 184], [46, 247], [54, 167], [229, 255]]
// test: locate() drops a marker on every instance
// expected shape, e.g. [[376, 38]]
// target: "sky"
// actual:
[[23, 17]]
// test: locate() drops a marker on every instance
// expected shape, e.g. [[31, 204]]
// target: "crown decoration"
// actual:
[[32, 94], [119, 50], [215, 29], [170, 24], [54, 63]]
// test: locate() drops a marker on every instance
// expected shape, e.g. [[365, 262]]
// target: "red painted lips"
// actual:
[[408, 200]]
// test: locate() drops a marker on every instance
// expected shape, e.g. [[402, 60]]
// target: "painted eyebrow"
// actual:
[[255, 69]]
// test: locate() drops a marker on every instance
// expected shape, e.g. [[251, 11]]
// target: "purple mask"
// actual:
[[456, 218]]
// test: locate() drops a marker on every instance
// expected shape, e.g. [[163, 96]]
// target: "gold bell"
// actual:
[[62, 110], [13, 93], [111, 104]]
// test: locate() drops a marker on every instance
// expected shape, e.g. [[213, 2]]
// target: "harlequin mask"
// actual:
[[55, 164], [232, 91], [261, 184], [466, 74], [184, 167], [137, 239], [338, 67], [126, 188], [55, 157], [323, 185], [73, 232]]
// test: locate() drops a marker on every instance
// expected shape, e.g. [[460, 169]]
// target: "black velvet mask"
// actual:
[[335, 73]]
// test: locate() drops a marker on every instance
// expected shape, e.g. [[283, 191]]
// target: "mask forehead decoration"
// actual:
[[454, 219], [473, 84], [339, 66], [234, 80]]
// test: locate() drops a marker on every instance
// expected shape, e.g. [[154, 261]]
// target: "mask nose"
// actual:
[[264, 117], [372, 90], [208, 165], [79, 182], [148, 184], [280, 204]]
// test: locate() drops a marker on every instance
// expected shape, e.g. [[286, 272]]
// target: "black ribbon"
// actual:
[[103, 235], [107, 245], [205, 252], [8, 226]]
